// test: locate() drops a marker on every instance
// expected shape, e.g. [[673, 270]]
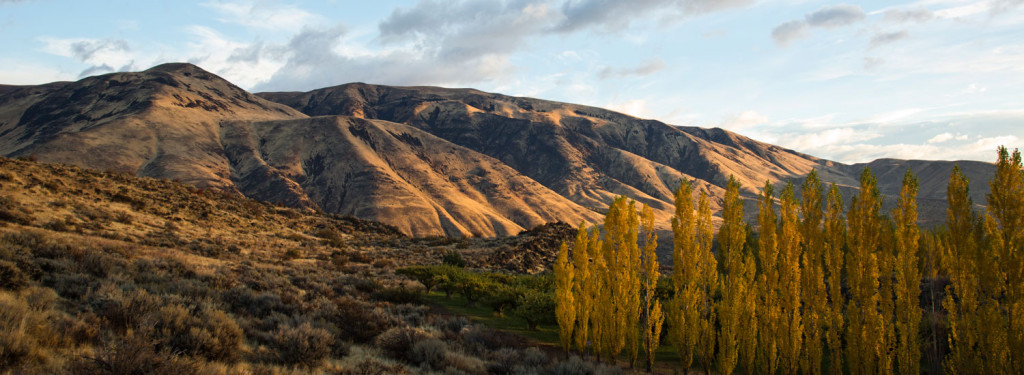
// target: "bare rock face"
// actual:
[[427, 160]]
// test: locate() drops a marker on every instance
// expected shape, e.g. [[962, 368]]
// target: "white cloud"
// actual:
[[635, 107], [823, 140], [268, 15], [828, 17], [743, 121], [645, 69], [880, 39], [103, 55], [942, 138]]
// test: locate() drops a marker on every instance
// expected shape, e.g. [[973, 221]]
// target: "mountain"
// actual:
[[427, 160], [590, 154]]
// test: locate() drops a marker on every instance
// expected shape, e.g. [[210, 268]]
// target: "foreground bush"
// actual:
[[303, 345]]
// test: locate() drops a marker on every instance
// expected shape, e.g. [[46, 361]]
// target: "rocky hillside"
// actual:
[[430, 161], [590, 154]]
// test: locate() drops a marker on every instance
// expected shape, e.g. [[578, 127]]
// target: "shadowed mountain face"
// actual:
[[430, 161]]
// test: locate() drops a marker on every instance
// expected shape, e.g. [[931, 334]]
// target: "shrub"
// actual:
[[11, 211], [429, 353], [370, 365], [572, 366], [400, 294], [358, 323], [122, 310], [11, 276], [292, 253], [465, 363], [398, 341], [303, 345], [449, 325], [505, 361], [25, 332], [208, 333], [134, 354], [479, 338], [453, 258]]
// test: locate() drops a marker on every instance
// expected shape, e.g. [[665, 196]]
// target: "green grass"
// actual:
[[479, 313], [545, 335]]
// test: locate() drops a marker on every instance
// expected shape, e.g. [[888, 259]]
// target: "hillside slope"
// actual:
[[590, 154], [428, 160]]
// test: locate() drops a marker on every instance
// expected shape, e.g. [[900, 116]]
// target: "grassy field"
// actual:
[[667, 359]]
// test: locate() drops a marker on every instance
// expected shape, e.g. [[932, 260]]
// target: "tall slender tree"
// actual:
[[582, 287], [769, 309], [685, 314], [815, 298], [908, 278], [963, 291], [1006, 207], [865, 331], [707, 283], [835, 240], [652, 317], [565, 299], [790, 327], [731, 239]]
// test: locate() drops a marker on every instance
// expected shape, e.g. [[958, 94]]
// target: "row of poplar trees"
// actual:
[[815, 290]]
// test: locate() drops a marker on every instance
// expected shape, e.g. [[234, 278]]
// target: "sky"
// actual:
[[846, 81]]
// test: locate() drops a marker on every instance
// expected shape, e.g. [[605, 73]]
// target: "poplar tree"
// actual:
[[835, 240], [885, 258], [732, 308], [707, 282], [908, 278], [1006, 207], [685, 314], [652, 318], [769, 310], [629, 271], [815, 298], [865, 331], [565, 301], [582, 288], [598, 290], [619, 307], [963, 292], [790, 337]]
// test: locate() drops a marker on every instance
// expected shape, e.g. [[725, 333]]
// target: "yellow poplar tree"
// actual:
[[1006, 207], [815, 298], [865, 331], [790, 329], [685, 315], [652, 318], [582, 288], [769, 310], [733, 306], [835, 239], [908, 278], [707, 282], [565, 307], [598, 292], [960, 259]]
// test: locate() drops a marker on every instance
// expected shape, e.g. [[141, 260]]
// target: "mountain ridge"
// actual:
[[429, 160]]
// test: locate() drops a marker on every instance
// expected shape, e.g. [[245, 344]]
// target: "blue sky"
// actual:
[[847, 81]]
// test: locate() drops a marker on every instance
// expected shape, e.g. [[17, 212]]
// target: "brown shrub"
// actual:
[[11, 276], [397, 342], [303, 345], [133, 354], [205, 332], [25, 332], [361, 323]]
